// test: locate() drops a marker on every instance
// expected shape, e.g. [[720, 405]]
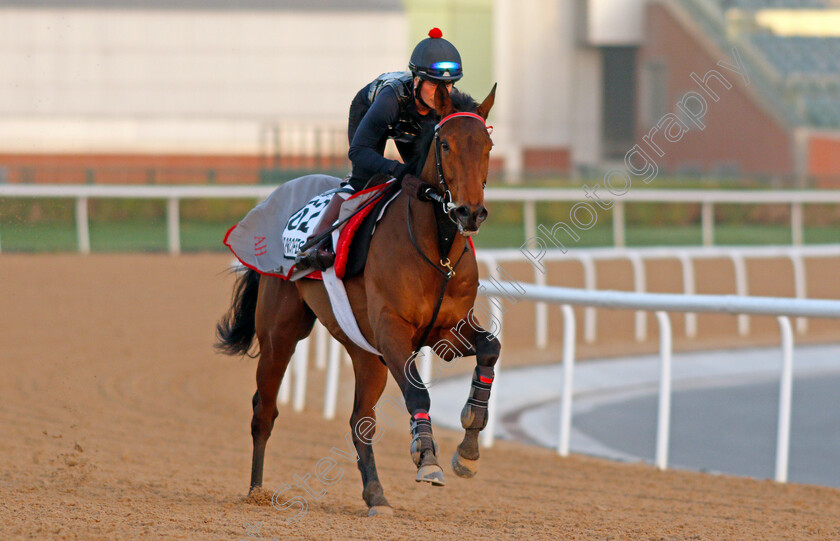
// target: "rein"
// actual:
[[447, 274]]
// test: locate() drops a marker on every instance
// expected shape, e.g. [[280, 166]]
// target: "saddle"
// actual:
[[353, 244], [351, 237]]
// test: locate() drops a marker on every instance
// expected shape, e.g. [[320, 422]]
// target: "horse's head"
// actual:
[[460, 158]]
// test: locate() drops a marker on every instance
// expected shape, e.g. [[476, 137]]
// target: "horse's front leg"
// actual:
[[474, 414], [398, 353]]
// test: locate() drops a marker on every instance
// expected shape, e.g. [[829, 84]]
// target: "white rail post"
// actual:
[[800, 285], [590, 321], [488, 434], [619, 233], [785, 392], [425, 365], [797, 230], [541, 312], [82, 229], [707, 221], [301, 363], [741, 289], [322, 337], [663, 423], [173, 226], [529, 217], [639, 286], [331, 392], [568, 384], [688, 289], [286, 385]]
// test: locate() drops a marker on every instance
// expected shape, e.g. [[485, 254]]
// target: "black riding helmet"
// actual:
[[435, 59]]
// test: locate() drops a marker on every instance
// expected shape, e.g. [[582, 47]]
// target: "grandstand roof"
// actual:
[[239, 5], [801, 55], [777, 4]]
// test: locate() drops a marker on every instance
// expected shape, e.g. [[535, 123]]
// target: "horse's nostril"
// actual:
[[482, 214], [463, 211]]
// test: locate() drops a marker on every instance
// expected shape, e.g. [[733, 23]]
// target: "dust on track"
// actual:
[[119, 421]]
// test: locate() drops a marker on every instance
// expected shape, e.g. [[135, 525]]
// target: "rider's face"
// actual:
[[427, 91]]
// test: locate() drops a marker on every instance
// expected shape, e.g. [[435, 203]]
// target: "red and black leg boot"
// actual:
[[424, 450], [473, 419]]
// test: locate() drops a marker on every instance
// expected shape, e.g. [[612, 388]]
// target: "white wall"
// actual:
[[585, 122], [615, 22], [215, 82], [549, 82], [197, 81]]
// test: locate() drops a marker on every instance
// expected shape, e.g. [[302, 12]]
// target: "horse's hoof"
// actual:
[[464, 467], [431, 473], [381, 511]]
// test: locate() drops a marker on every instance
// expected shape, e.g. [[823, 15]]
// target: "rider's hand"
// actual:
[[400, 171]]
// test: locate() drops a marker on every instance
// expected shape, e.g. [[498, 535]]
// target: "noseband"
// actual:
[[446, 198]]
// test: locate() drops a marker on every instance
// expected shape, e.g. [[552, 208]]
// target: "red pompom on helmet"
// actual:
[[435, 33]]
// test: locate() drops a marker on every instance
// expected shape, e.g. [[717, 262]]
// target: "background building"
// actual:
[[262, 85]]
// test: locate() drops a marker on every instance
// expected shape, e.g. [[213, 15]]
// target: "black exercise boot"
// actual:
[[318, 257], [321, 256]]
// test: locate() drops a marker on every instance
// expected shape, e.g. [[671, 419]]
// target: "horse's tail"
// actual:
[[235, 331]]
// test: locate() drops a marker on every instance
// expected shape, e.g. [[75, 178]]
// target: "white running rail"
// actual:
[[528, 197], [686, 255], [661, 304]]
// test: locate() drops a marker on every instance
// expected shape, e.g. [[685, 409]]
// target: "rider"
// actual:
[[398, 106]]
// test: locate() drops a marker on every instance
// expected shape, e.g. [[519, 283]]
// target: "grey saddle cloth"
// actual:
[[257, 240]]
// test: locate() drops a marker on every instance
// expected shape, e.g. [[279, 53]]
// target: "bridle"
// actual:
[[446, 199]]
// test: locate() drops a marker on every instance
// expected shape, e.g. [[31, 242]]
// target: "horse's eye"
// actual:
[[444, 146]]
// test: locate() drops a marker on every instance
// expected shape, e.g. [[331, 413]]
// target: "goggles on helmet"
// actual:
[[442, 71]]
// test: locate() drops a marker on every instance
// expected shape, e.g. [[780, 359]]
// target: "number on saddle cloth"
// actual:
[[305, 221]]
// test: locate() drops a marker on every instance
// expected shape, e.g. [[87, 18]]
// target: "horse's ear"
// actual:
[[484, 109], [443, 102]]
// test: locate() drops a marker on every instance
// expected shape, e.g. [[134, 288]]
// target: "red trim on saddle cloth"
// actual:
[[485, 379], [421, 415], [345, 238], [314, 276]]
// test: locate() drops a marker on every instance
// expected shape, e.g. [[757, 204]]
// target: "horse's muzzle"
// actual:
[[469, 218]]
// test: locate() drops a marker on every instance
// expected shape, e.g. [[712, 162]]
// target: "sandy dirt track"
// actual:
[[119, 421]]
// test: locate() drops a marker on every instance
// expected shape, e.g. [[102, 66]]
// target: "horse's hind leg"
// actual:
[[282, 319], [371, 377]]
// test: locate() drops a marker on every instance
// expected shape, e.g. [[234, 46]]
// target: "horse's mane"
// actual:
[[463, 103]]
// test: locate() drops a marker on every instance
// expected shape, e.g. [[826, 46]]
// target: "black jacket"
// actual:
[[372, 124]]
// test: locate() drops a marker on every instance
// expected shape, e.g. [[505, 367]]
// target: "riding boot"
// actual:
[[321, 256]]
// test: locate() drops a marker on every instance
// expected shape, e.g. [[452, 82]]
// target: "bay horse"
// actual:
[[418, 287]]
